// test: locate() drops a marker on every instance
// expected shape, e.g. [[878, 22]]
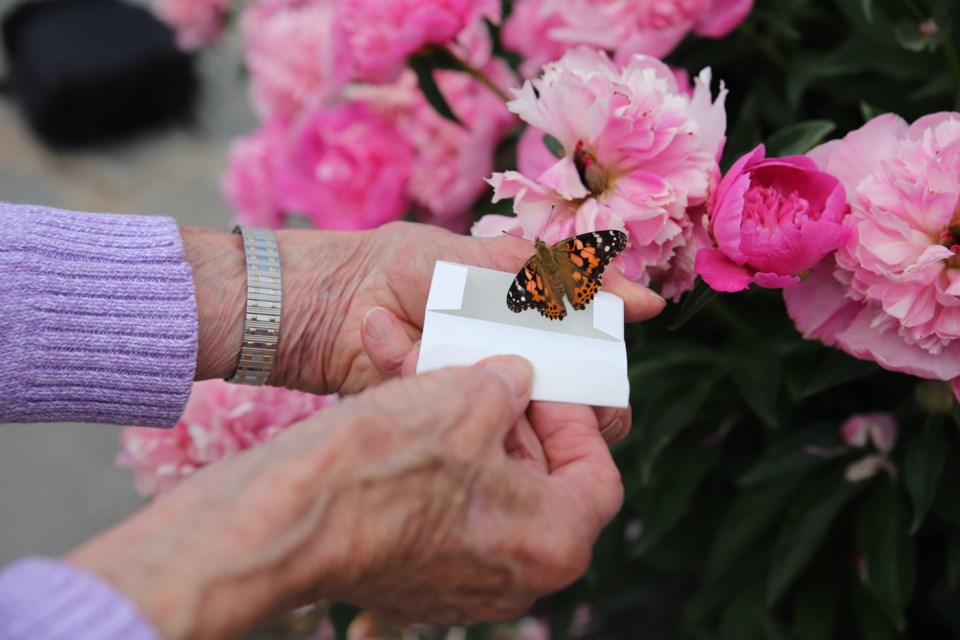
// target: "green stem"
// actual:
[[476, 74], [765, 45], [733, 322]]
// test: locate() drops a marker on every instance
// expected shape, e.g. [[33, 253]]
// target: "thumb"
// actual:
[[516, 374]]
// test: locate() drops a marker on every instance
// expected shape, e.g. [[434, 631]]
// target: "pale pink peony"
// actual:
[[541, 30], [772, 219], [880, 429], [250, 183], [892, 295], [220, 421], [348, 169], [195, 22], [638, 155], [291, 56], [382, 34]]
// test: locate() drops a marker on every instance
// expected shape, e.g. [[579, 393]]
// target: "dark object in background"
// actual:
[[92, 71]]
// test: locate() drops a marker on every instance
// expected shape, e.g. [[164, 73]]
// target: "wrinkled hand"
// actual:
[[390, 267], [410, 499]]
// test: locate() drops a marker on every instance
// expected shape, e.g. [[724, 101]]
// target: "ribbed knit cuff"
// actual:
[[98, 320], [44, 599]]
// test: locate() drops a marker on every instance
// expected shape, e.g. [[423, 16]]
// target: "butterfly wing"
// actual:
[[531, 288], [582, 260]]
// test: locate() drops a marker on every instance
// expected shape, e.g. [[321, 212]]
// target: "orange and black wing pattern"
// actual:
[[582, 260], [531, 289]]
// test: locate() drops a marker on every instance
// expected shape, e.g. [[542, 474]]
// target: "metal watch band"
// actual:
[[261, 324]]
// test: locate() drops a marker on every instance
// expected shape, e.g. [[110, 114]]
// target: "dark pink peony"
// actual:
[[347, 169], [772, 219]]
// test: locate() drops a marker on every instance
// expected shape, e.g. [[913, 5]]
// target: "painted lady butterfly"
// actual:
[[571, 268]]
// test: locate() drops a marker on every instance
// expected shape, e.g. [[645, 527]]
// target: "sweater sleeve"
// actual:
[[44, 599], [97, 318]]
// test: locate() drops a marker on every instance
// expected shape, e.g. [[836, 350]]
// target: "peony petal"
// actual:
[[721, 273], [775, 281], [563, 178], [818, 307], [888, 349]]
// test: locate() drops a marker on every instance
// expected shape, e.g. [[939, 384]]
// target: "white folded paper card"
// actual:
[[581, 359]]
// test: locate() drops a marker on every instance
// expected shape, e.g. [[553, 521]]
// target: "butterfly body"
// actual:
[[571, 269]]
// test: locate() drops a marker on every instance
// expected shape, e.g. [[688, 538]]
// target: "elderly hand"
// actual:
[[331, 281], [433, 498]]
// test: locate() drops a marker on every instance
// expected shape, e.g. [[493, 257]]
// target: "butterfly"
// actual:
[[571, 268]]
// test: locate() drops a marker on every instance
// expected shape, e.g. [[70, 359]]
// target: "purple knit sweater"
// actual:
[[99, 324]]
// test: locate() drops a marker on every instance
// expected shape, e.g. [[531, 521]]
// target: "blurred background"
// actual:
[[58, 483]]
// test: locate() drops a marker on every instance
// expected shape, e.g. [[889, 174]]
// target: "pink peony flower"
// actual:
[[290, 54], [220, 421], [249, 185], [450, 161], [878, 428], [196, 22], [382, 34], [772, 220], [892, 295], [348, 169], [638, 155], [541, 30]]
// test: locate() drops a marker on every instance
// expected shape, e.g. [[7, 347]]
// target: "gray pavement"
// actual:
[[58, 483]]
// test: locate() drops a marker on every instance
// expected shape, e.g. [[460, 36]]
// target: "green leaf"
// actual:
[[887, 550], [341, 615], [676, 477], [749, 519], [791, 454], [423, 66], [693, 302], [666, 416], [869, 112], [817, 603], [758, 380], [806, 526], [867, 6], [741, 619], [874, 625], [656, 358], [482, 631], [838, 368], [953, 562], [798, 138], [709, 598], [772, 628], [922, 468], [554, 146]]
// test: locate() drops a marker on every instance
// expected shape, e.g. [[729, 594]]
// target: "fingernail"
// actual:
[[516, 372], [612, 430], [656, 296], [378, 324]]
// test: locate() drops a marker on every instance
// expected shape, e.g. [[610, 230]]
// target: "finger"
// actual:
[[578, 457], [409, 366], [523, 445], [639, 302], [384, 340], [516, 374], [614, 423]]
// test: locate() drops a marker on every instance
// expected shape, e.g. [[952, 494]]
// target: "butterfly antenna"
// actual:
[[513, 234], [543, 231]]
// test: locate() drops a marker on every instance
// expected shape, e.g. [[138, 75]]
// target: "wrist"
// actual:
[[219, 277], [322, 273]]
